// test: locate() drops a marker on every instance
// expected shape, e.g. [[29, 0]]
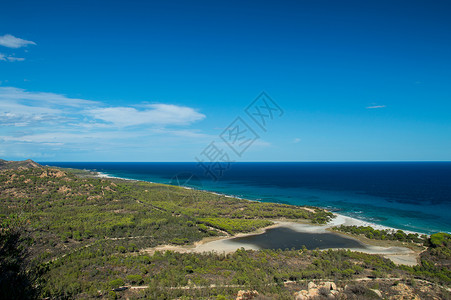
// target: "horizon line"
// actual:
[[324, 161]]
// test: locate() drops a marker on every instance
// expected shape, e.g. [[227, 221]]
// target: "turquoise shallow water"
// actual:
[[409, 196]]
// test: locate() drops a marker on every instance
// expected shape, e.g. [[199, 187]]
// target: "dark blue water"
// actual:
[[412, 196]]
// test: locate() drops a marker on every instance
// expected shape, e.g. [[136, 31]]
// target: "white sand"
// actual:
[[348, 221], [104, 175]]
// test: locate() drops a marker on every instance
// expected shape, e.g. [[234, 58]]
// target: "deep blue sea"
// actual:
[[413, 196]]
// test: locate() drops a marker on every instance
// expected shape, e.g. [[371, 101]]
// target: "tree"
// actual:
[[16, 276]]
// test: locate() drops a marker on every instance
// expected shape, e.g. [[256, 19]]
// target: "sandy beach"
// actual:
[[106, 176]]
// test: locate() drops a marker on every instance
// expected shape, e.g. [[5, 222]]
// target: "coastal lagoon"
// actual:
[[287, 238], [289, 235]]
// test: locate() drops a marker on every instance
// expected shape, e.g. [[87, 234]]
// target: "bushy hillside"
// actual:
[[65, 235]]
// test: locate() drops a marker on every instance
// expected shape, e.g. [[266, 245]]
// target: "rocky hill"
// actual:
[[16, 165]]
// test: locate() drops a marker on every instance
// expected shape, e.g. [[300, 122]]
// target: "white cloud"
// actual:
[[54, 137], [156, 114], [13, 58], [16, 94], [15, 108], [376, 106], [47, 121], [27, 117], [22, 108], [16, 105], [10, 41], [296, 140], [4, 57], [68, 136], [185, 133]]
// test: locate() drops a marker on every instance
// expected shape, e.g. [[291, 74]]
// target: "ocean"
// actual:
[[413, 196]]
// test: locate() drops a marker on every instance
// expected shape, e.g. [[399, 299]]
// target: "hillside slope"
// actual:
[[89, 234]]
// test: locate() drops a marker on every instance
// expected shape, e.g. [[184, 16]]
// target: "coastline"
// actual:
[[350, 221], [106, 176], [338, 220], [399, 255]]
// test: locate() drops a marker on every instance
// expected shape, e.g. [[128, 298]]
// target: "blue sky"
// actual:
[[162, 80]]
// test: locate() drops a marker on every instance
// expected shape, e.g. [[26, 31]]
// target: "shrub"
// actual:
[[115, 283], [134, 279]]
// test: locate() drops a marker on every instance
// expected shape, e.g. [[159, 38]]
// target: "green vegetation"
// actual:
[[67, 211], [440, 240], [235, 225], [386, 234], [82, 237], [436, 260], [15, 267], [169, 274], [262, 270]]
